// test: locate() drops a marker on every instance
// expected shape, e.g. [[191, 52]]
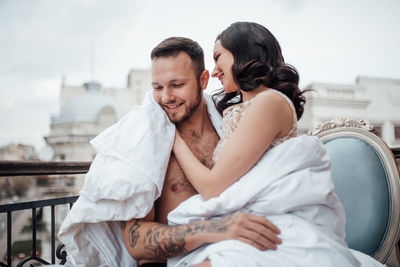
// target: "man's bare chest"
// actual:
[[175, 179], [177, 188]]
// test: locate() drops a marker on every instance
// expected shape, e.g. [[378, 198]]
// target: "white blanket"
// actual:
[[123, 181], [126, 178], [291, 186]]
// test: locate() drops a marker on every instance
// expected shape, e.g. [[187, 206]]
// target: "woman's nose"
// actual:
[[215, 72]]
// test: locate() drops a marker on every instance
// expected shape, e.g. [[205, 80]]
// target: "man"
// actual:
[[178, 79]]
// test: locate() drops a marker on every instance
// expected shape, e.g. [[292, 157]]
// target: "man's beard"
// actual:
[[190, 109]]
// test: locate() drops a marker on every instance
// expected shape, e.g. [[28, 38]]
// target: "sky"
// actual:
[[42, 41]]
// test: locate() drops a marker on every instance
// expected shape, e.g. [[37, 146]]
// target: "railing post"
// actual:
[[9, 238], [53, 238], [33, 232]]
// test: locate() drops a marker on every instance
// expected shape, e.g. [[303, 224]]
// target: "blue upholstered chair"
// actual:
[[367, 183]]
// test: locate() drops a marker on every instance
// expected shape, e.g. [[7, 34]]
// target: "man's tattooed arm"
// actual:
[[150, 240]]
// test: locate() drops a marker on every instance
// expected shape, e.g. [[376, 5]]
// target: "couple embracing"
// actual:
[[172, 180]]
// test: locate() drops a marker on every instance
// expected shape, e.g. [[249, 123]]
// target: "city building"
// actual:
[[18, 152], [81, 118], [87, 110], [374, 100]]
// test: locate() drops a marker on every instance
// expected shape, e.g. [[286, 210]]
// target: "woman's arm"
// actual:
[[268, 117]]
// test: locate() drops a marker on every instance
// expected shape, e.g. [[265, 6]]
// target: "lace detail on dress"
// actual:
[[230, 121], [232, 117]]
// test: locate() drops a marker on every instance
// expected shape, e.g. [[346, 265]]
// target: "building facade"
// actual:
[[87, 110], [18, 152], [374, 100]]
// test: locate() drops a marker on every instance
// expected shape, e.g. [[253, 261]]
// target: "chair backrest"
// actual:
[[367, 183]]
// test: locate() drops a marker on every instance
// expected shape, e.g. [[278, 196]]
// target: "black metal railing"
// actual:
[[25, 168], [19, 168], [33, 205]]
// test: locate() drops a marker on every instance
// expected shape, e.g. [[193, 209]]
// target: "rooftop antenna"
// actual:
[[92, 85], [92, 57]]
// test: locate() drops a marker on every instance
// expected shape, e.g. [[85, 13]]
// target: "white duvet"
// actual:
[[291, 186], [123, 181]]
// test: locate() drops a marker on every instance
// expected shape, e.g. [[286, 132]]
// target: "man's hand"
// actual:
[[248, 228], [155, 241]]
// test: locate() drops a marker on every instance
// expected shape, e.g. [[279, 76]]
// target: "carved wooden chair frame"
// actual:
[[360, 129]]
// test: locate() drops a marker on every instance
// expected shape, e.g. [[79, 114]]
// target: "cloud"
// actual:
[[25, 112]]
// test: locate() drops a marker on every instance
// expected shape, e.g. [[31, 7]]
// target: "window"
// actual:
[[377, 130], [397, 132]]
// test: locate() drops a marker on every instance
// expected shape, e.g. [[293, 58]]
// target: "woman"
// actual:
[[249, 63], [261, 166]]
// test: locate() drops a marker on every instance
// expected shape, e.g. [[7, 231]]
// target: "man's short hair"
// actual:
[[174, 45]]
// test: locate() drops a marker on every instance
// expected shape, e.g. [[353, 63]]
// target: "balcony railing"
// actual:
[[19, 168], [14, 168]]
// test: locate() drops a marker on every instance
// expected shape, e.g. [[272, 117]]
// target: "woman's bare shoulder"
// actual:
[[270, 98]]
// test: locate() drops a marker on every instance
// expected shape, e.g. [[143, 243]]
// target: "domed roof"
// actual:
[[86, 107]]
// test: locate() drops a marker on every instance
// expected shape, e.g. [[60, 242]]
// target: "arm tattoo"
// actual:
[[123, 225], [134, 233], [165, 241]]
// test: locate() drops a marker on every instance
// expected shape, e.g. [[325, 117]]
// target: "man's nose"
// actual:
[[167, 95]]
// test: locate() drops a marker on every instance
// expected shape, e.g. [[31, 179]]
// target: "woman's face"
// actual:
[[223, 59]]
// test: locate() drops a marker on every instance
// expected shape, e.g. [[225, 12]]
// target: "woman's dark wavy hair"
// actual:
[[258, 61]]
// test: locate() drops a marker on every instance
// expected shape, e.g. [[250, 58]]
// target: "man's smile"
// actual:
[[172, 107]]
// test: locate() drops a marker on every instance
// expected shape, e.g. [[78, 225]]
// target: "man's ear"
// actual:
[[204, 77]]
